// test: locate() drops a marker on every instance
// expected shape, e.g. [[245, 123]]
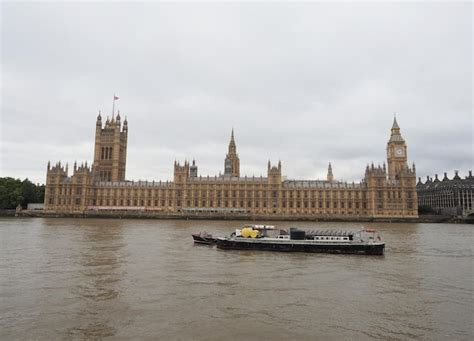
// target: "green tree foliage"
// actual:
[[15, 191]]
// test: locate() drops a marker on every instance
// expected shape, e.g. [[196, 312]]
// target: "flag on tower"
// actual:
[[113, 105]]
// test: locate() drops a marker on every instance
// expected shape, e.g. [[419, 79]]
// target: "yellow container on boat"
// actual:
[[246, 232], [254, 234]]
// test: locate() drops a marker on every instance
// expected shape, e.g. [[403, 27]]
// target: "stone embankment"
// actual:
[[7, 213], [234, 216]]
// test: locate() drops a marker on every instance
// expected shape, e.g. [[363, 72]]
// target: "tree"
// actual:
[[14, 192]]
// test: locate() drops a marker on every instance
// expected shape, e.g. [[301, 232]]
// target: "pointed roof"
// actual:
[[232, 146], [395, 123], [395, 135], [330, 176]]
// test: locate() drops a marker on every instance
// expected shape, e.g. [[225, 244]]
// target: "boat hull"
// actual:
[[203, 240], [299, 246]]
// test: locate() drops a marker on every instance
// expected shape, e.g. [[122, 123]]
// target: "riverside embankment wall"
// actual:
[[247, 217]]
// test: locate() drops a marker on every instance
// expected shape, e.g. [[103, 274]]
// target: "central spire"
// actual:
[[330, 176], [232, 162], [232, 146]]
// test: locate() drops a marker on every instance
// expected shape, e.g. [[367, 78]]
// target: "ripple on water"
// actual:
[[126, 279]]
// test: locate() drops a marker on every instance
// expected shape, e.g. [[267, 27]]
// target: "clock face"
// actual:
[[399, 151]]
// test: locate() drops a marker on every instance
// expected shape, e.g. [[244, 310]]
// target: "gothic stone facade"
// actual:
[[447, 196], [385, 191]]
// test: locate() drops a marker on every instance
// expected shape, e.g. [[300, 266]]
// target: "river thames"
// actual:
[[136, 279]]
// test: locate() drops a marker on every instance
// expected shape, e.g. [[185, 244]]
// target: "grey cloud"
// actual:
[[306, 83]]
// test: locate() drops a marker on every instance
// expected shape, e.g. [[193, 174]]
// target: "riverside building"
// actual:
[[387, 191], [447, 196]]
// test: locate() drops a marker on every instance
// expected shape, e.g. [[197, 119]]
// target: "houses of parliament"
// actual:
[[387, 191]]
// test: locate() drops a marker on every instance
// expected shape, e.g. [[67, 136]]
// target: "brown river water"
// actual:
[[145, 279]]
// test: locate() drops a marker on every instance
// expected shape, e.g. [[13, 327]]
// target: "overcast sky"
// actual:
[[305, 83]]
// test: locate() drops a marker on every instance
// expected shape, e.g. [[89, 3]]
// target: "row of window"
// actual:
[[61, 201], [226, 204], [65, 191], [226, 194], [165, 204], [105, 175], [445, 200], [331, 238], [106, 153]]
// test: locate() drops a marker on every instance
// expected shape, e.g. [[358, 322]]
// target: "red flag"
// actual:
[[115, 98]]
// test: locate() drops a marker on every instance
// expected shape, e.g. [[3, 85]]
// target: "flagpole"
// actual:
[[113, 107]]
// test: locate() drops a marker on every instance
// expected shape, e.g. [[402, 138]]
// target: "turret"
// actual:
[[181, 173], [274, 173], [125, 125], [117, 119], [330, 176], [193, 170]]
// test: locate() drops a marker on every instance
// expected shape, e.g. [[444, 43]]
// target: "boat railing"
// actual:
[[330, 233]]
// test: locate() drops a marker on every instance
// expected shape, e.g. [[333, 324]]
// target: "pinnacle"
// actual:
[[395, 123]]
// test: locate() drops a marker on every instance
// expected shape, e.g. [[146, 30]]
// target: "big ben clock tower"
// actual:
[[396, 152]]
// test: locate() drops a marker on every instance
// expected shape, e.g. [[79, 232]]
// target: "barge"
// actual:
[[365, 241]]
